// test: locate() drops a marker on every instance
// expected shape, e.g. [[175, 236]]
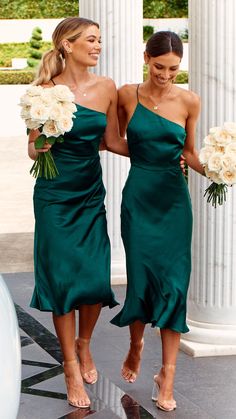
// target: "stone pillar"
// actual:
[[10, 355], [121, 24], [212, 296]]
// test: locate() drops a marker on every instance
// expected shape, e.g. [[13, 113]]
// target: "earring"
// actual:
[[68, 51]]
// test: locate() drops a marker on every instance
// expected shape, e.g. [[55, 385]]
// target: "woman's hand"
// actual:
[[32, 151], [182, 163]]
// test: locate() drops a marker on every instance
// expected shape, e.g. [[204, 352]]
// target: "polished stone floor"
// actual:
[[205, 387]]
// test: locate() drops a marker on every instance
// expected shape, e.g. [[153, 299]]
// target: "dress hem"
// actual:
[[153, 323]]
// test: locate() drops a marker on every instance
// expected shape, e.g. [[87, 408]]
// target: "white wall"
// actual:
[[20, 30], [173, 24], [17, 30]]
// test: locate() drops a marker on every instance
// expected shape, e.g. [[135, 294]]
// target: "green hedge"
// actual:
[[17, 50], [27, 76], [30, 9], [16, 76]]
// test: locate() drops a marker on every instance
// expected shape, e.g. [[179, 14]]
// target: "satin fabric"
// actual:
[[72, 248], [156, 224]]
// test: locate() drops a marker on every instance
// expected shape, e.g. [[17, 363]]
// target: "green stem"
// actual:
[[44, 166], [216, 194]]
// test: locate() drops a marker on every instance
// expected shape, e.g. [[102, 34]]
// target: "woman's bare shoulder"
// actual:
[[127, 91], [188, 96]]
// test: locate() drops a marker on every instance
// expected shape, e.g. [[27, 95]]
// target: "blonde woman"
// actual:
[[72, 250]]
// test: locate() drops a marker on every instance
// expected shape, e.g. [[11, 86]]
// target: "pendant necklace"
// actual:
[[156, 105], [83, 93]]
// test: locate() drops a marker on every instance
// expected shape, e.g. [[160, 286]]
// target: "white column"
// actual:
[[212, 296], [10, 355], [121, 59]]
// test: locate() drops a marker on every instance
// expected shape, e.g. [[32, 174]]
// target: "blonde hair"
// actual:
[[53, 61]]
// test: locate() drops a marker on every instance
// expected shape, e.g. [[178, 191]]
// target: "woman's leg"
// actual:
[[88, 316], [131, 365], [65, 330], [165, 378]]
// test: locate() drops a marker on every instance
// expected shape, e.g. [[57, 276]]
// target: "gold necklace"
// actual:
[[156, 105], [74, 89]]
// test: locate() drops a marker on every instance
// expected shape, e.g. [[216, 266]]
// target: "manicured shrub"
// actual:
[[148, 31], [35, 47], [17, 50], [16, 76]]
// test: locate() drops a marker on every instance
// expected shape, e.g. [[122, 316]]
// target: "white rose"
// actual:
[[230, 127], [220, 149], [209, 140], [47, 97], [215, 162], [69, 106], [31, 124], [65, 124], [34, 90], [25, 100], [214, 130], [50, 129], [222, 137], [62, 93], [229, 161], [231, 148], [25, 112], [56, 112], [213, 176], [205, 153], [228, 176], [39, 112]]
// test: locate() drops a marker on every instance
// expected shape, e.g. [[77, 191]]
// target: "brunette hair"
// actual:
[[163, 42], [52, 62]]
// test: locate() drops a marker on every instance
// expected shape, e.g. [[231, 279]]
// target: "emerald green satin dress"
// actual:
[[72, 249], [156, 224]]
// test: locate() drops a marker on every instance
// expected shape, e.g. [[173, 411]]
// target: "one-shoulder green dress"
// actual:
[[156, 224], [72, 249]]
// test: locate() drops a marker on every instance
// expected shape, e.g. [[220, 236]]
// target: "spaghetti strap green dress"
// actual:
[[156, 224], [72, 248]]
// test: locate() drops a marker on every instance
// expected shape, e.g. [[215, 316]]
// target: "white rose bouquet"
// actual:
[[50, 110], [218, 156]]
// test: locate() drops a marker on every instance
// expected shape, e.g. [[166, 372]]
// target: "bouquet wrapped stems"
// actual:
[[216, 194], [44, 165]]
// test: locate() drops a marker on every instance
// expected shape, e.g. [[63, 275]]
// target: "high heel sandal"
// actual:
[[166, 405], [81, 402], [127, 373], [91, 376]]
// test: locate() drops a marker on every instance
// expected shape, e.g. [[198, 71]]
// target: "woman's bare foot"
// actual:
[[131, 366], [76, 394], [87, 366], [165, 383]]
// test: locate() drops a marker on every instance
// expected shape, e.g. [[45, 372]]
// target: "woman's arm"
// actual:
[[32, 152], [189, 151], [114, 142]]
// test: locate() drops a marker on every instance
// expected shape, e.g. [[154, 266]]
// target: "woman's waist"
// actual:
[[156, 166], [75, 154]]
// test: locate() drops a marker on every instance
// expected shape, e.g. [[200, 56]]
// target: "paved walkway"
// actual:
[[205, 387]]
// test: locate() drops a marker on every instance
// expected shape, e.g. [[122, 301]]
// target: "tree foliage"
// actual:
[[30, 9], [165, 8]]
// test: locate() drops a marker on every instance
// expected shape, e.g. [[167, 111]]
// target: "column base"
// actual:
[[208, 339], [196, 349]]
